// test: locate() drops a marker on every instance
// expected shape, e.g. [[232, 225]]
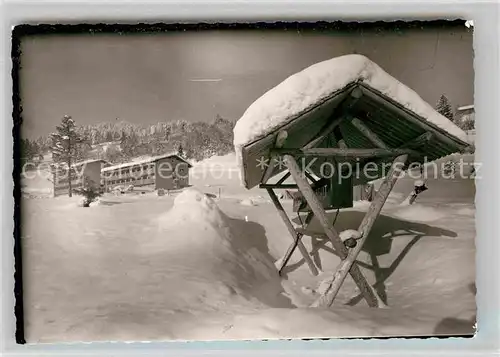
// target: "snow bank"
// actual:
[[248, 202], [419, 213], [306, 88], [228, 160], [212, 247]]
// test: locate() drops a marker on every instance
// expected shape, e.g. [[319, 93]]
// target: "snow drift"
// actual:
[[214, 249]]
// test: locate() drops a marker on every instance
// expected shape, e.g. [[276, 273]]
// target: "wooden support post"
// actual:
[[332, 235], [340, 139], [310, 177], [278, 143], [281, 180], [282, 186], [364, 228], [293, 233], [295, 244]]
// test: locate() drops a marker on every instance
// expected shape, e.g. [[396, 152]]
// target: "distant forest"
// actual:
[[121, 141]]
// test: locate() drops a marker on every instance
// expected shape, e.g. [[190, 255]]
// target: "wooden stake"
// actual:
[[293, 233], [278, 143], [310, 177], [365, 227], [283, 186], [332, 235], [294, 245], [283, 179]]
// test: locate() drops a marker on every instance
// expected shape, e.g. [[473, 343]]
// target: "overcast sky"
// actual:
[[194, 76]]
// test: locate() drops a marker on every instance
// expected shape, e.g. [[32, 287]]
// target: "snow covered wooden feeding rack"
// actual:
[[336, 124]]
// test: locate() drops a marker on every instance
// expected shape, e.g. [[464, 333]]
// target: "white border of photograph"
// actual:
[[486, 47]]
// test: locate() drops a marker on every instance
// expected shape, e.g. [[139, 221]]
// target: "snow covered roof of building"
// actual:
[[306, 101], [146, 161], [89, 162], [80, 163], [465, 107]]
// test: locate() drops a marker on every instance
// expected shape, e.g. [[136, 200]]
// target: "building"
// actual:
[[169, 171], [466, 110], [83, 172], [466, 117]]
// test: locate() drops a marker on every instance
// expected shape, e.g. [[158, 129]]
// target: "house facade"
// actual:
[[79, 174], [466, 116], [169, 172]]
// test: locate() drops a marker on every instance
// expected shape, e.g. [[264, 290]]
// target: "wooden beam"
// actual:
[[345, 153], [310, 177], [340, 138], [318, 184], [412, 117], [368, 133], [332, 235], [293, 233], [281, 180], [344, 109], [294, 245], [356, 93], [419, 141], [365, 228], [278, 186], [278, 143], [324, 133]]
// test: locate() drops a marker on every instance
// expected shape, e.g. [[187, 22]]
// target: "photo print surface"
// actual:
[[246, 182]]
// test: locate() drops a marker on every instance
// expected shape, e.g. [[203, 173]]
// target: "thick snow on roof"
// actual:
[[466, 107], [145, 161], [77, 164], [304, 89]]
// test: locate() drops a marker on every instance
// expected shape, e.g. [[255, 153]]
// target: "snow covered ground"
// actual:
[[182, 267]]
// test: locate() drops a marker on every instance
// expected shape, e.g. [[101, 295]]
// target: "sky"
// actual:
[[197, 75]]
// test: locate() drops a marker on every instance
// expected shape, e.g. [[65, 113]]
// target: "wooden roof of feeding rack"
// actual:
[[362, 109]]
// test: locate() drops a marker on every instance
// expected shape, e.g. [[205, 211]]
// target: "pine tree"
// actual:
[[90, 192], [444, 107], [180, 150], [27, 152], [66, 145]]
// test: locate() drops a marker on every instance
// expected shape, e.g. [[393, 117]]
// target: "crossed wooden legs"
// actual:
[[348, 263]]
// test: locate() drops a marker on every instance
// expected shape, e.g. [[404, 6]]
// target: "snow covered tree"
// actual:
[[66, 146], [180, 150], [112, 154], [27, 151], [444, 107], [90, 192], [465, 122], [129, 144], [449, 169]]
